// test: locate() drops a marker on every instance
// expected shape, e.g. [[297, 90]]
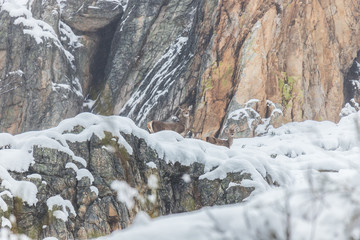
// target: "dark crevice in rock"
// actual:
[[117, 74], [352, 81], [171, 84], [98, 63]]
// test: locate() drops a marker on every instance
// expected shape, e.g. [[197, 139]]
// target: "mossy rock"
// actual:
[[286, 85], [104, 105]]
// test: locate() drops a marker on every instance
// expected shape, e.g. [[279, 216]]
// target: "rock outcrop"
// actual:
[[66, 187]]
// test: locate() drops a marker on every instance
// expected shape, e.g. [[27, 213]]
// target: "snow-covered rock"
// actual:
[[322, 202], [70, 173]]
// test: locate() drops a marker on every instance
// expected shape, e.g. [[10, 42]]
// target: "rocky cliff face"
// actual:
[[254, 64], [142, 59], [221, 54], [45, 69]]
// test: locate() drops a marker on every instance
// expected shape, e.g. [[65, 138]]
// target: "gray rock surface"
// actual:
[[38, 84], [151, 50], [46, 70]]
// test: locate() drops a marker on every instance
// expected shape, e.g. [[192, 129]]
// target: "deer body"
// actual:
[[180, 127], [156, 126], [227, 143]]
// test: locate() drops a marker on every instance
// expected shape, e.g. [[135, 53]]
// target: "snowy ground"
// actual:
[[315, 163], [321, 202]]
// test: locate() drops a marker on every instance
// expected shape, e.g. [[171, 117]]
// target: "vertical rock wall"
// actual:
[[38, 84], [219, 55], [45, 68], [293, 53], [142, 59]]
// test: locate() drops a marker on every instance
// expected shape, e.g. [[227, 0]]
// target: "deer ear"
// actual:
[[226, 130], [237, 129], [190, 107]]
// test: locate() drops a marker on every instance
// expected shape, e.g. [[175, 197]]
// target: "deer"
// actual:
[[230, 132], [180, 127]]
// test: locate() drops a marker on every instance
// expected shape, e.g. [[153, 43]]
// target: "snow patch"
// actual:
[[83, 172], [6, 234], [35, 176], [125, 193], [5, 223], [232, 184], [17, 160], [142, 218], [17, 72], [122, 3], [186, 178], [243, 113], [3, 205], [80, 173], [151, 165], [152, 198], [56, 86], [95, 190], [25, 190], [65, 205], [153, 182], [349, 108], [88, 103]]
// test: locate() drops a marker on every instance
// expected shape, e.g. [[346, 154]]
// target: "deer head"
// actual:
[[185, 112], [180, 127], [230, 132]]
